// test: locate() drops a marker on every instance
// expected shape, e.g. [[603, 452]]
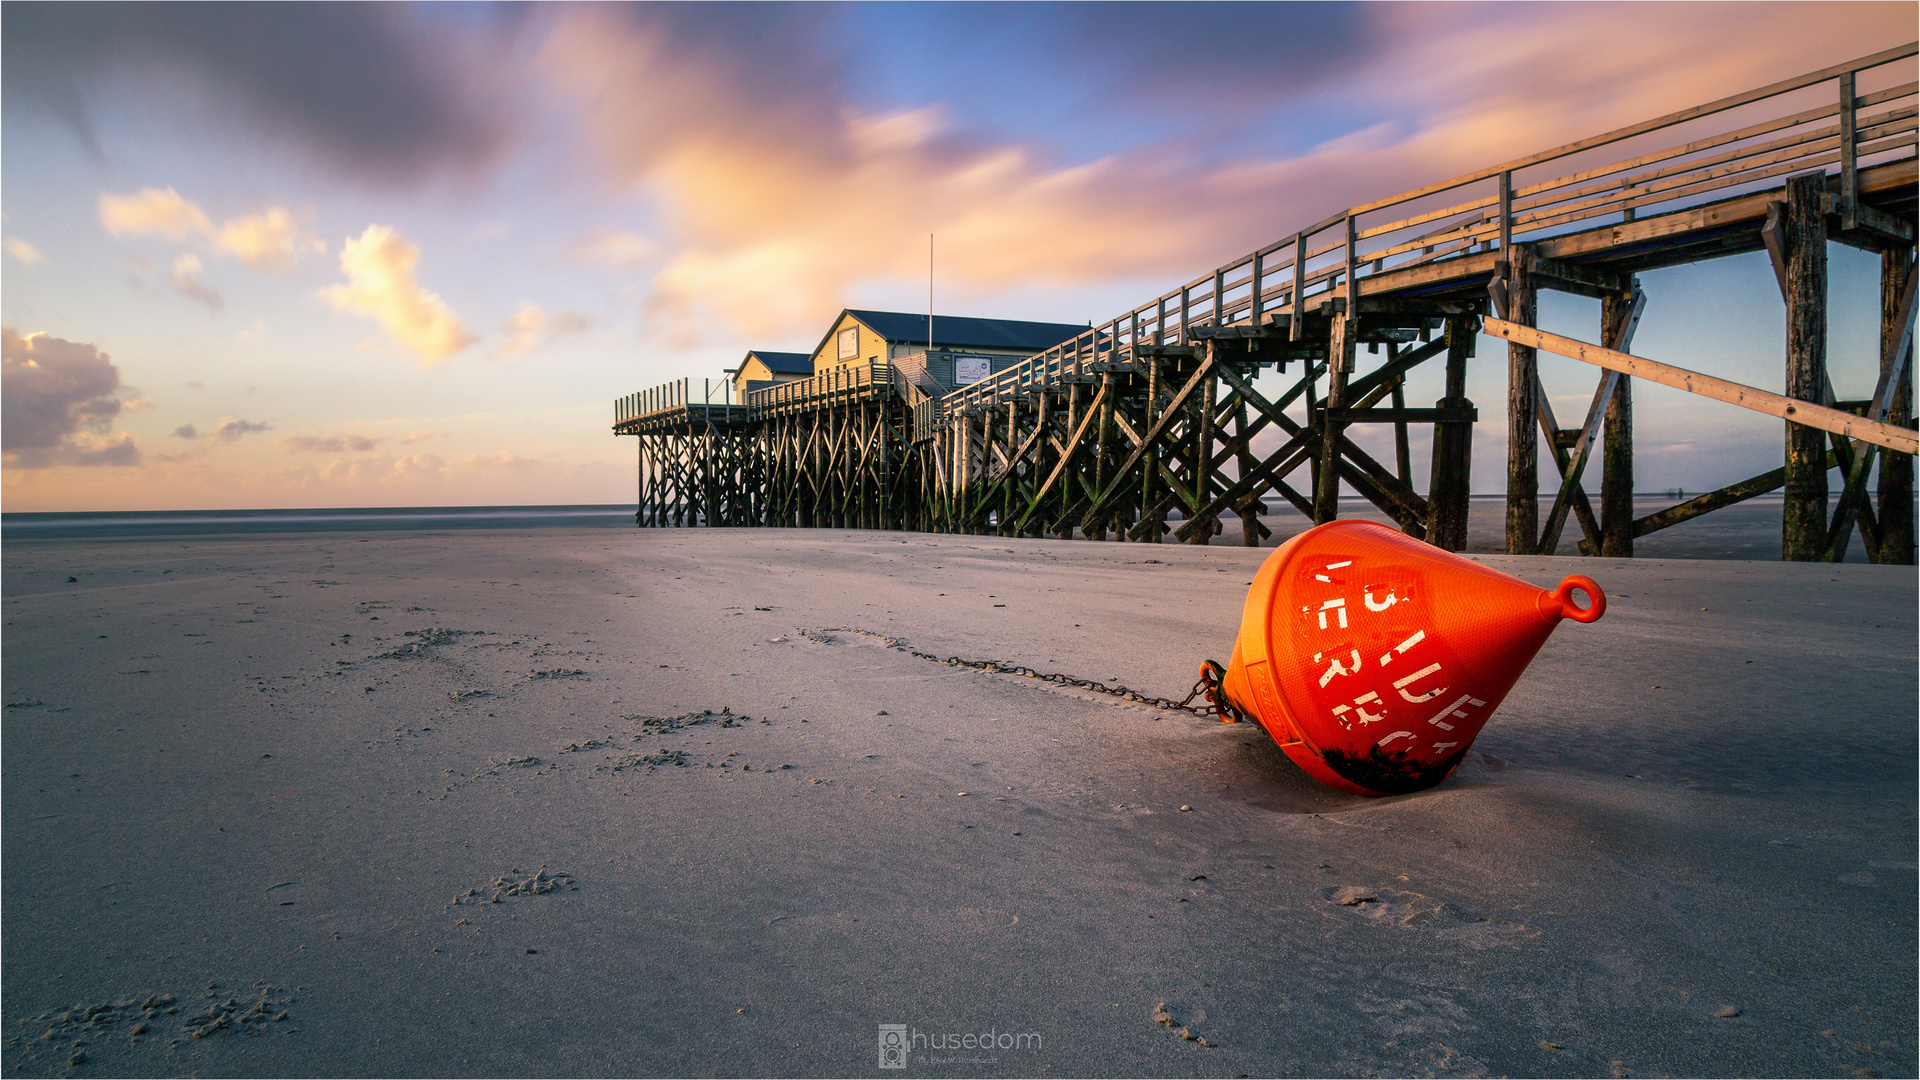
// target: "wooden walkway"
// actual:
[[1155, 412]]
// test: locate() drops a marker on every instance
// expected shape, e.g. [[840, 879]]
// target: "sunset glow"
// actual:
[[381, 255]]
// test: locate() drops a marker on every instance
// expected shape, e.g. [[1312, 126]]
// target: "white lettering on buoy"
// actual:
[[1382, 605], [1340, 711], [1395, 735], [1339, 606], [1335, 667], [1401, 685], [1454, 710], [1417, 638]]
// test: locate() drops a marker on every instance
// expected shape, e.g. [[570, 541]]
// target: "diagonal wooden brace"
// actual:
[[1167, 418], [1072, 450], [1570, 488]]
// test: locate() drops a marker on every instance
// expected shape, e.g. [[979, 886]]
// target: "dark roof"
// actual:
[[962, 332], [784, 363]]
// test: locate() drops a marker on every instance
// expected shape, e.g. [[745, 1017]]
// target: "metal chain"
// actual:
[[1215, 705]]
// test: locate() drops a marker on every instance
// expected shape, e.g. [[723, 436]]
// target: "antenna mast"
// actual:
[[929, 292]]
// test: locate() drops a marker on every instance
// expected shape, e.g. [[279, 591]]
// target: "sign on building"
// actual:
[[971, 369]]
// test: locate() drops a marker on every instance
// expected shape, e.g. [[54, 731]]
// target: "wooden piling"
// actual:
[[1523, 448], [1616, 462], [1804, 518], [1340, 357], [1896, 470], [1451, 479]]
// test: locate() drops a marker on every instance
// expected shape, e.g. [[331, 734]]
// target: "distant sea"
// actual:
[[111, 524], [1749, 530]]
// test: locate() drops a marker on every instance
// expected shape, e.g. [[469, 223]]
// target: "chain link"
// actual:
[[1215, 705]]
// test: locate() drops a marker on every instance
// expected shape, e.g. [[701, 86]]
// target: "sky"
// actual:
[[389, 255]]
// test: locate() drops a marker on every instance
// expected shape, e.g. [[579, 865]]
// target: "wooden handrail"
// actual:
[[1904, 440]]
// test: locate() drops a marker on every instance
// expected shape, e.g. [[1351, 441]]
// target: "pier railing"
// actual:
[[833, 387], [675, 399], [1852, 115]]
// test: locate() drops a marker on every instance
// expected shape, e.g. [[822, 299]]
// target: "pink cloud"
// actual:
[[781, 200]]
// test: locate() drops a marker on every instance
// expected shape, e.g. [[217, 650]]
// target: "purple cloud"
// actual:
[[57, 403]]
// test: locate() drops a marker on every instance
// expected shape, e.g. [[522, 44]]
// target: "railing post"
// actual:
[[1353, 297], [1253, 297], [1849, 156], [1506, 217], [1299, 285]]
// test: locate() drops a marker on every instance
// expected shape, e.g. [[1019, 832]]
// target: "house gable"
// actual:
[[859, 336]]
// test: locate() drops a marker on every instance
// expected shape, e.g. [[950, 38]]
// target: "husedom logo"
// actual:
[[897, 1041]]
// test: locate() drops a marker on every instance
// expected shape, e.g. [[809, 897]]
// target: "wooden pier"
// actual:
[[1155, 413]]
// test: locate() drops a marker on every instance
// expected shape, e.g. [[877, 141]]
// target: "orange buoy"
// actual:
[[1374, 659]]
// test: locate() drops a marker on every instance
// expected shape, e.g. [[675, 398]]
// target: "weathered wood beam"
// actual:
[[1896, 471], [1067, 456], [1733, 393], [1714, 500], [1897, 348], [1143, 444], [1568, 277], [1449, 480], [1252, 482], [1523, 384], [1618, 334], [1395, 367], [1438, 415], [1804, 517]]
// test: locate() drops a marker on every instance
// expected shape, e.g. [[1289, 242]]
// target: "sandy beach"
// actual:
[[595, 802]]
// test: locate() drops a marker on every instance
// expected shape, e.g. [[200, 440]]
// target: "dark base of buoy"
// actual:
[[1391, 774]]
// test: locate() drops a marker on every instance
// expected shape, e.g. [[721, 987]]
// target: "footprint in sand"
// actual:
[[515, 883], [1412, 910], [1164, 1016]]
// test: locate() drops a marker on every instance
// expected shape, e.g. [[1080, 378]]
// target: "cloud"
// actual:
[[504, 459], [152, 210], [186, 278], [781, 198], [612, 247], [270, 240], [57, 404], [783, 192], [327, 444], [384, 94], [530, 328], [24, 251], [186, 431], [380, 283], [232, 429]]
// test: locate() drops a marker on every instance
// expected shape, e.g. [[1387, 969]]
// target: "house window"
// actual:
[[847, 345]]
